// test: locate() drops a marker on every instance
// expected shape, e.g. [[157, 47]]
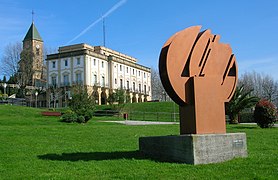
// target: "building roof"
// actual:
[[33, 33]]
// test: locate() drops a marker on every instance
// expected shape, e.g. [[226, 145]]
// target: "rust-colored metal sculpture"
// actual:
[[199, 74]]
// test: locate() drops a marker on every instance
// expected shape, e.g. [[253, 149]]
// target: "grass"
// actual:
[[36, 147], [149, 111]]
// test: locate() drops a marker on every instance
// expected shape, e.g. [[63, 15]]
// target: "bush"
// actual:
[[69, 117], [82, 104], [80, 119], [265, 114], [246, 117]]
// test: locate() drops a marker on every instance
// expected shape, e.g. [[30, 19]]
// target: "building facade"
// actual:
[[100, 69]]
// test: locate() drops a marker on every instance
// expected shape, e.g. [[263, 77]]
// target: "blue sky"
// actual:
[[140, 27]]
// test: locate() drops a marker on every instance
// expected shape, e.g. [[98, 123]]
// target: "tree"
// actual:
[[26, 71], [81, 103], [10, 59], [241, 99], [262, 86], [265, 114], [158, 91]]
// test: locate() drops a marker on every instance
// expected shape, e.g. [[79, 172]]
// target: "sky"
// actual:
[[139, 28]]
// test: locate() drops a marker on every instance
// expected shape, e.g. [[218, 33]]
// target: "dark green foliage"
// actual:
[[81, 119], [246, 117], [69, 117], [265, 114], [240, 101], [81, 103]]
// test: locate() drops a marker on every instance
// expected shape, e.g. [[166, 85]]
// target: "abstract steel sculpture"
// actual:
[[200, 75]]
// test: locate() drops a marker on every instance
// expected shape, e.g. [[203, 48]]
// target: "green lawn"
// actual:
[[149, 111], [36, 147]]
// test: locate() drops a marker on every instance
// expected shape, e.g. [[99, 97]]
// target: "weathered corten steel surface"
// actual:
[[199, 74]]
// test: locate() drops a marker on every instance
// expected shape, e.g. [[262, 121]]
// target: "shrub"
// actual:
[[246, 117], [81, 103], [69, 117], [265, 114], [80, 119]]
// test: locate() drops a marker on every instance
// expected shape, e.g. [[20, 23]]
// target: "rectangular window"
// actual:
[[78, 78], [54, 80], [78, 61], [121, 83], [95, 79], [94, 62], [115, 80], [66, 63], [144, 75], [126, 69], [120, 67], [66, 80], [127, 85], [103, 81], [139, 73], [54, 64], [102, 64], [139, 87], [133, 71], [133, 86], [145, 89]]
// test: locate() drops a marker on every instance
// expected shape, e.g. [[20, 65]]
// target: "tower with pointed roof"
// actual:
[[33, 44]]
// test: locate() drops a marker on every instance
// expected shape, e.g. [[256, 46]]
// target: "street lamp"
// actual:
[[36, 94], [5, 85]]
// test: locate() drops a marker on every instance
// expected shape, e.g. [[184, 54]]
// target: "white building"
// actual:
[[101, 69]]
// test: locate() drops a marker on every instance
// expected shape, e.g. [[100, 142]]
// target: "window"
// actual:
[[133, 86], [38, 51], [121, 83], [78, 61], [102, 64], [78, 78], [66, 80], [66, 63], [94, 62], [139, 73], [115, 80], [133, 71], [139, 87], [95, 79], [126, 69], [144, 75], [127, 85], [145, 89], [120, 67], [103, 81], [53, 80], [54, 64]]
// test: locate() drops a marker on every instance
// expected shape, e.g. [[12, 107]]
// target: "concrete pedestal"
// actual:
[[195, 148]]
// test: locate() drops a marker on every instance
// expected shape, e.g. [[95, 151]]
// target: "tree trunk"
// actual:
[[234, 119]]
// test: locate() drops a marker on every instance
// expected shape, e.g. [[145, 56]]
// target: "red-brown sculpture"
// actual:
[[199, 74]]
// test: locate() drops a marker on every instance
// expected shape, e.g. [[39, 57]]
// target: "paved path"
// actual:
[[132, 123]]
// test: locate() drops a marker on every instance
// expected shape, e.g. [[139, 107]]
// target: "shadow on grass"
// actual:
[[92, 156]]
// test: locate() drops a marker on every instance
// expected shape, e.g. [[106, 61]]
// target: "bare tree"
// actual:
[[26, 71], [158, 92], [10, 59], [262, 86]]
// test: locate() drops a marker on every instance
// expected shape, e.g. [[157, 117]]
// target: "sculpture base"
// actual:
[[195, 148]]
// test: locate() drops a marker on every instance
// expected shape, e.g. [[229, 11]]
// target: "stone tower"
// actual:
[[33, 44]]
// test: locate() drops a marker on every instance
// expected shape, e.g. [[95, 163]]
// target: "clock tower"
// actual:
[[33, 44]]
